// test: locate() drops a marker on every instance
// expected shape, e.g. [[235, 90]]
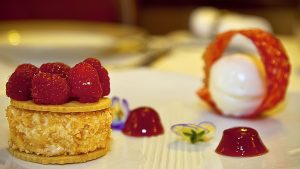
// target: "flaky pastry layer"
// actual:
[[54, 133]]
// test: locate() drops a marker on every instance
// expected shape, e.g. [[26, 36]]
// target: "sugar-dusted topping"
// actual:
[[72, 106]]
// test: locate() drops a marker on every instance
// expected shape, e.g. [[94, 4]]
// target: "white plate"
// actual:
[[173, 96], [44, 41]]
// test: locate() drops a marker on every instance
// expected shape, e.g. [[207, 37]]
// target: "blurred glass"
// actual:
[[297, 24], [297, 34]]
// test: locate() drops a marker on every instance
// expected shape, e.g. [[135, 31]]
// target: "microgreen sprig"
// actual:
[[193, 133]]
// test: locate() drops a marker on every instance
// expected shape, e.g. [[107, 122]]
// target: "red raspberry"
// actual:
[[94, 62], [104, 80], [27, 68], [18, 86], [55, 68], [84, 82], [50, 89], [102, 73]]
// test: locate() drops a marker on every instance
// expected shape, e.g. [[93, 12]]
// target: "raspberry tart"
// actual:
[[59, 114]]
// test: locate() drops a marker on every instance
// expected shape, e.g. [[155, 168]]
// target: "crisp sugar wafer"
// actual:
[[72, 106]]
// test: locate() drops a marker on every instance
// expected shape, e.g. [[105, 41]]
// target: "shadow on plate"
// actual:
[[7, 161], [184, 146]]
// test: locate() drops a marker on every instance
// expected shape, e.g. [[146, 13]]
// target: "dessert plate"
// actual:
[[173, 96], [65, 41]]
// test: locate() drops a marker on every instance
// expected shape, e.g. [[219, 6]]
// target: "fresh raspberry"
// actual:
[[84, 82], [31, 69], [18, 86], [104, 80], [102, 73], [94, 62], [55, 68], [50, 89]]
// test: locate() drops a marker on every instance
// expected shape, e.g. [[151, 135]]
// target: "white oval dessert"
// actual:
[[237, 84]]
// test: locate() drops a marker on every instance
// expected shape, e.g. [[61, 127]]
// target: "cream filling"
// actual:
[[233, 105], [237, 84]]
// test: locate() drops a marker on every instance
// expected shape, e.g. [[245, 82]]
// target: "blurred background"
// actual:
[[132, 32], [280, 13], [155, 16]]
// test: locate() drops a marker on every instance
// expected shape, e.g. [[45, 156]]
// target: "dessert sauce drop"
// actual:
[[241, 142], [143, 121]]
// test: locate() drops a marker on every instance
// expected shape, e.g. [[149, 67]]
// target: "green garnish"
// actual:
[[194, 136], [194, 133]]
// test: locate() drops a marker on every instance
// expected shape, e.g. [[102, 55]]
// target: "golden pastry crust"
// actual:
[[52, 134], [60, 159], [72, 106]]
